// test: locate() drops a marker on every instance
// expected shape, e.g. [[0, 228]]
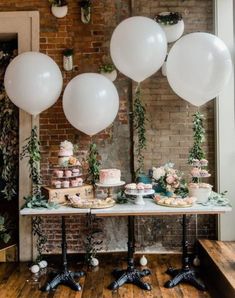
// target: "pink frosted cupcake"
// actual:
[[140, 187], [57, 184], [59, 174], [204, 173], [68, 173], [75, 172], [195, 172], [65, 184], [131, 187], [79, 181], [74, 183], [204, 162], [148, 187]]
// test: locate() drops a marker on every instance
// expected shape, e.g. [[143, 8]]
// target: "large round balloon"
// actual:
[[138, 47], [90, 102], [198, 67], [33, 82]]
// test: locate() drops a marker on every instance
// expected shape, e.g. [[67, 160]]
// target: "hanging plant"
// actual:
[[109, 71], [93, 163], [85, 11], [59, 8], [168, 18], [139, 120], [68, 59]]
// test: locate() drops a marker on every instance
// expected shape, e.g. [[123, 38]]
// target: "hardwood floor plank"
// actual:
[[14, 284]]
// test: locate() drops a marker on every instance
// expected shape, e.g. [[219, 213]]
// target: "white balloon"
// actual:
[[33, 82], [199, 66], [138, 47], [90, 102]]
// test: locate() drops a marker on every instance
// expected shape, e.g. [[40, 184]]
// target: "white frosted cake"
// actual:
[[110, 176], [65, 152]]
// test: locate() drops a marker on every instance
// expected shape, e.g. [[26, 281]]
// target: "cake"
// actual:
[[65, 153], [110, 176], [131, 187], [140, 187]]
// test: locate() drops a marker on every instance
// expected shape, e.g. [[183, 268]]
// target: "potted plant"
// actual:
[[68, 59], [85, 11], [108, 70], [172, 23], [59, 8]]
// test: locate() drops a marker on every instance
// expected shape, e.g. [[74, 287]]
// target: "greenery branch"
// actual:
[[139, 121], [93, 163], [106, 68], [197, 152], [171, 18]]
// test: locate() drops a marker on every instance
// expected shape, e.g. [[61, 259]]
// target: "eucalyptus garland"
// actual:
[[93, 163], [8, 145], [197, 152], [139, 120]]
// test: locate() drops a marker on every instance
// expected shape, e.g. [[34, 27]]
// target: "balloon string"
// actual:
[[137, 87]]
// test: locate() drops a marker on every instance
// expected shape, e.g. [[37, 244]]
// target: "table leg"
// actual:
[[64, 276], [186, 273], [131, 274]]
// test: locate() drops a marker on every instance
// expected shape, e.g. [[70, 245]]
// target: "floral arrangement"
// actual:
[[58, 3], [106, 68], [66, 145], [171, 18], [167, 178]]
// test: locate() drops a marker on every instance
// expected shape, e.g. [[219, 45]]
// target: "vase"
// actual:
[[59, 11], [86, 15], [173, 32], [159, 189], [68, 62], [110, 75], [144, 179]]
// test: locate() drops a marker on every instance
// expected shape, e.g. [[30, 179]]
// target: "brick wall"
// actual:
[[169, 131]]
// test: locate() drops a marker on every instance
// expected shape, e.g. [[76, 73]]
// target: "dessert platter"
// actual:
[[77, 202], [138, 191], [174, 201]]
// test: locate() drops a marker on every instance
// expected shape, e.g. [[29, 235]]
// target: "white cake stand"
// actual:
[[110, 186], [139, 200]]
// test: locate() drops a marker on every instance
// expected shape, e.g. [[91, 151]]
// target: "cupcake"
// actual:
[[65, 183], [74, 183], [79, 181], [204, 162], [147, 187], [75, 172], [204, 173], [140, 188], [57, 184], [131, 187], [59, 174], [68, 173], [195, 172]]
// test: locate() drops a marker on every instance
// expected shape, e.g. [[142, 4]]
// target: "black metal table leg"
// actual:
[[64, 276], [186, 273], [131, 274]]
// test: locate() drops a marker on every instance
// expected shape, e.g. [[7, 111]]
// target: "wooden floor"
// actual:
[[16, 281]]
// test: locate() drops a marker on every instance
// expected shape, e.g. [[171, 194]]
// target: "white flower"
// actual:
[[158, 173], [66, 145]]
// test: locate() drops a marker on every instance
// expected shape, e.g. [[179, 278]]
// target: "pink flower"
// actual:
[[170, 179]]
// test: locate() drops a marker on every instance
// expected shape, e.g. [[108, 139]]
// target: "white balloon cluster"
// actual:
[[198, 67]]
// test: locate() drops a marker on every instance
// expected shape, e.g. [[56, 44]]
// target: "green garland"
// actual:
[[197, 152], [9, 145], [139, 120], [93, 163]]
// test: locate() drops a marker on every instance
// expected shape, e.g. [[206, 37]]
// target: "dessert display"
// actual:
[[174, 201], [197, 188], [65, 152], [131, 188], [77, 202], [110, 176]]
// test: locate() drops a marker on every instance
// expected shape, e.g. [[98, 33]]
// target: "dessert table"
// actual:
[[132, 274], [64, 276]]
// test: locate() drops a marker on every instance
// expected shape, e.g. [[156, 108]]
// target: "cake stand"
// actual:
[[139, 196], [110, 186]]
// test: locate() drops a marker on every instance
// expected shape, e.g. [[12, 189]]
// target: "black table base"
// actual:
[[64, 276], [131, 274], [186, 273]]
